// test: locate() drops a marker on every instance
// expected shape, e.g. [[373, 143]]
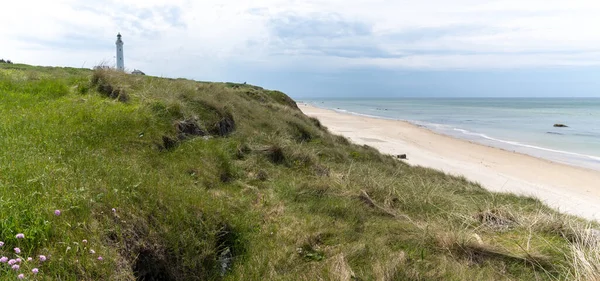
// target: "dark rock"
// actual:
[[401, 156], [188, 128], [560, 126], [226, 126]]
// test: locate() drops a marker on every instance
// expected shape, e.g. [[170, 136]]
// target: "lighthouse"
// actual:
[[120, 61]]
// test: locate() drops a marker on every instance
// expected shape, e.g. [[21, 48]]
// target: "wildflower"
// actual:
[[20, 236], [11, 262], [84, 241], [42, 258], [57, 212], [29, 259], [15, 267], [17, 250], [1, 243], [100, 258], [92, 251], [19, 260], [35, 270], [114, 210], [21, 276], [3, 259]]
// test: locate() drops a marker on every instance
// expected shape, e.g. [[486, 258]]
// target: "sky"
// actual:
[[323, 49]]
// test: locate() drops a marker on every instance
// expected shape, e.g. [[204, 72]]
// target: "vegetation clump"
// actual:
[[187, 180]]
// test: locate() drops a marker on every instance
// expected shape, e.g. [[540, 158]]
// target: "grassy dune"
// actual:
[[172, 179]]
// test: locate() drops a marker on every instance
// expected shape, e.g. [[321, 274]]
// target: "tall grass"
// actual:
[[584, 254]]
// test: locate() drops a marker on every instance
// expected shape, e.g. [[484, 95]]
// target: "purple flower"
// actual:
[[100, 258], [15, 267], [11, 262], [57, 212], [20, 236], [42, 258], [19, 260], [35, 270], [21, 276], [3, 259], [1, 243], [17, 250], [29, 259]]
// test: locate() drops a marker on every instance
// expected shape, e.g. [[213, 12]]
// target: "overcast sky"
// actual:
[[319, 48]]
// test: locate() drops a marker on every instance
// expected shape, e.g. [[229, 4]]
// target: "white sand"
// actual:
[[570, 189]]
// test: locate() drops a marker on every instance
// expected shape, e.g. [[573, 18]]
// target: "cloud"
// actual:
[[332, 25], [204, 38]]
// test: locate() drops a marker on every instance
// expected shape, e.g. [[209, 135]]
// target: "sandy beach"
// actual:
[[567, 188]]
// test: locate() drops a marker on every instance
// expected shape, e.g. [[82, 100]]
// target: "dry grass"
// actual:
[[584, 254]]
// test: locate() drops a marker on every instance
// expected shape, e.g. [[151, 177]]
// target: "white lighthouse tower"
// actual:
[[120, 61]]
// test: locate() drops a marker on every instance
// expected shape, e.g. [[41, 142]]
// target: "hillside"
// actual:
[[173, 179]]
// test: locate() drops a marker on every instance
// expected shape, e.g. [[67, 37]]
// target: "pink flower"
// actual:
[[15, 267], [84, 241], [35, 270], [100, 258], [1, 243], [29, 259], [20, 236], [3, 259], [57, 212], [21, 276], [17, 250], [11, 262], [42, 258], [19, 260]]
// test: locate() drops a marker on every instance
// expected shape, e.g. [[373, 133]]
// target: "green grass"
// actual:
[[279, 197]]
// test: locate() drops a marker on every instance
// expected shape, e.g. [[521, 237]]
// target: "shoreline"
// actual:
[[558, 155], [571, 189]]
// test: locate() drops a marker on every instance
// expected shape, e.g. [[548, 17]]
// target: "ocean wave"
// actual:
[[431, 125], [515, 143], [361, 114]]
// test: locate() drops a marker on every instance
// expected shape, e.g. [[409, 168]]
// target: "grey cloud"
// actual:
[[292, 26], [322, 35]]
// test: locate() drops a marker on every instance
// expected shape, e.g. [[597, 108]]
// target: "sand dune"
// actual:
[[570, 189]]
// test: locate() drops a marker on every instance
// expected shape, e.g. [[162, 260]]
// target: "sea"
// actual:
[[524, 125]]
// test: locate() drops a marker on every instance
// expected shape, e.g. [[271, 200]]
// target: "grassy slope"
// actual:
[[280, 195]]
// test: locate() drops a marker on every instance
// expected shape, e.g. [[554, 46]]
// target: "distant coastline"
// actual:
[[506, 139]]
